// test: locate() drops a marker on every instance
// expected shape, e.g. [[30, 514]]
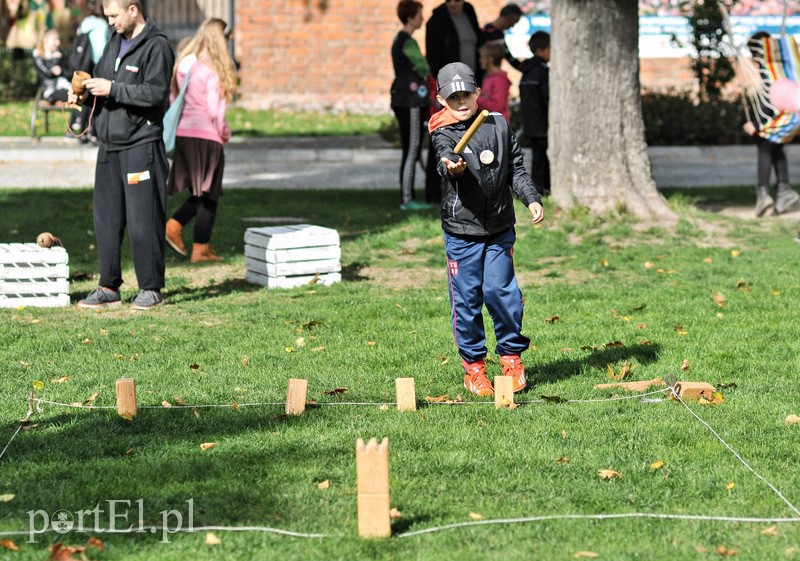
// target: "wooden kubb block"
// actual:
[[289, 256], [126, 398], [296, 396], [695, 390], [33, 276], [405, 394], [503, 391], [372, 480]]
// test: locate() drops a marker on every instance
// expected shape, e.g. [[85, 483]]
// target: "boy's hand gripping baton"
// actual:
[[476, 124]]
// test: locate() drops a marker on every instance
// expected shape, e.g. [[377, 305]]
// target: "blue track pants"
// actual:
[[481, 271]]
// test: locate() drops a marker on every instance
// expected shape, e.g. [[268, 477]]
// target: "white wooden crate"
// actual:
[[289, 256], [33, 276]]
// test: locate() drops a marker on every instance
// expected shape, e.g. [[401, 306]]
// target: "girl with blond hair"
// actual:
[[199, 159]]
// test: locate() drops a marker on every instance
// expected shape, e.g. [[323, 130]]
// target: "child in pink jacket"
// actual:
[[494, 91], [199, 159]]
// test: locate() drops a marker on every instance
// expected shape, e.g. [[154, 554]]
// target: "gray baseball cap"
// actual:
[[455, 77]]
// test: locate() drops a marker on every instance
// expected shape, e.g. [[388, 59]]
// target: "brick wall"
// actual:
[[334, 54]]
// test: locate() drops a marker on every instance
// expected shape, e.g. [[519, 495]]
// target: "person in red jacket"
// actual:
[[496, 85]]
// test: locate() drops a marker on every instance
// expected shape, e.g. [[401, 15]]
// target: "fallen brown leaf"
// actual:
[[562, 460], [96, 543], [607, 474], [771, 531], [685, 365], [624, 371], [508, 404], [792, 419], [394, 513], [586, 555], [212, 539], [719, 299], [438, 399], [726, 552], [60, 380], [476, 516], [335, 391], [61, 552], [324, 485], [552, 319], [207, 445], [9, 545]]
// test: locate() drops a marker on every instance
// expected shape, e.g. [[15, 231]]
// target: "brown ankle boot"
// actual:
[[174, 236], [204, 252]]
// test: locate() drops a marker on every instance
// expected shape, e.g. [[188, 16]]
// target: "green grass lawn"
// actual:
[[15, 120], [714, 299]]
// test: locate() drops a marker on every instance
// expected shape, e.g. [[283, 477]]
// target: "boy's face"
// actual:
[[461, 105], [544, 53]]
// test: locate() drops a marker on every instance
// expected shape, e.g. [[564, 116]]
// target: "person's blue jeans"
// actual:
[[481, 271]]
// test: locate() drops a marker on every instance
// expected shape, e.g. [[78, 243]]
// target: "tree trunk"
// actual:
[[597, 147]]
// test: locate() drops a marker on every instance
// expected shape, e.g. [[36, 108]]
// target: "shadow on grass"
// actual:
[[73, 461], [67, 213], [229, 286], [558, 370]]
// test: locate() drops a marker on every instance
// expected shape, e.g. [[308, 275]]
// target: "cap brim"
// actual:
[[452, 87]]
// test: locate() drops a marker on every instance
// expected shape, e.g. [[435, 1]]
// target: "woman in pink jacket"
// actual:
[[202, 131]]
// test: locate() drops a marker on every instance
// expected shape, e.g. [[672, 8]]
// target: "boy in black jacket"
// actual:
[[534, 101], [478, 220], [131, 84]]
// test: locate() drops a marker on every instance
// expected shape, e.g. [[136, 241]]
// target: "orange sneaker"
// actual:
[[475, 379], [512, 366]]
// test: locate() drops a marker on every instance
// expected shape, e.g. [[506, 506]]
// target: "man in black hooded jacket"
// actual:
[[132, 85]]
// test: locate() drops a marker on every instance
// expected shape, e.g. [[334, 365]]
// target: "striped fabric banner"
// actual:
[[781, 60]]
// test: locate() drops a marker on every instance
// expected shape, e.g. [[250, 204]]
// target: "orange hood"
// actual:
[[440, 119]]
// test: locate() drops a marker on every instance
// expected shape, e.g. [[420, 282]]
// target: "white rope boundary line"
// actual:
[[19, 427], [167, 530], [551, 517], [472, 523], [736, 454], [154, 529], [39, 401]]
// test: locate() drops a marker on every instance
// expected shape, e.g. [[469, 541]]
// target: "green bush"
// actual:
[[18, 79], [675, 118], [670, 119]]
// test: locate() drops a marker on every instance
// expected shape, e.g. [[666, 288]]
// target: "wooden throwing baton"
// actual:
[[476, 124]]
